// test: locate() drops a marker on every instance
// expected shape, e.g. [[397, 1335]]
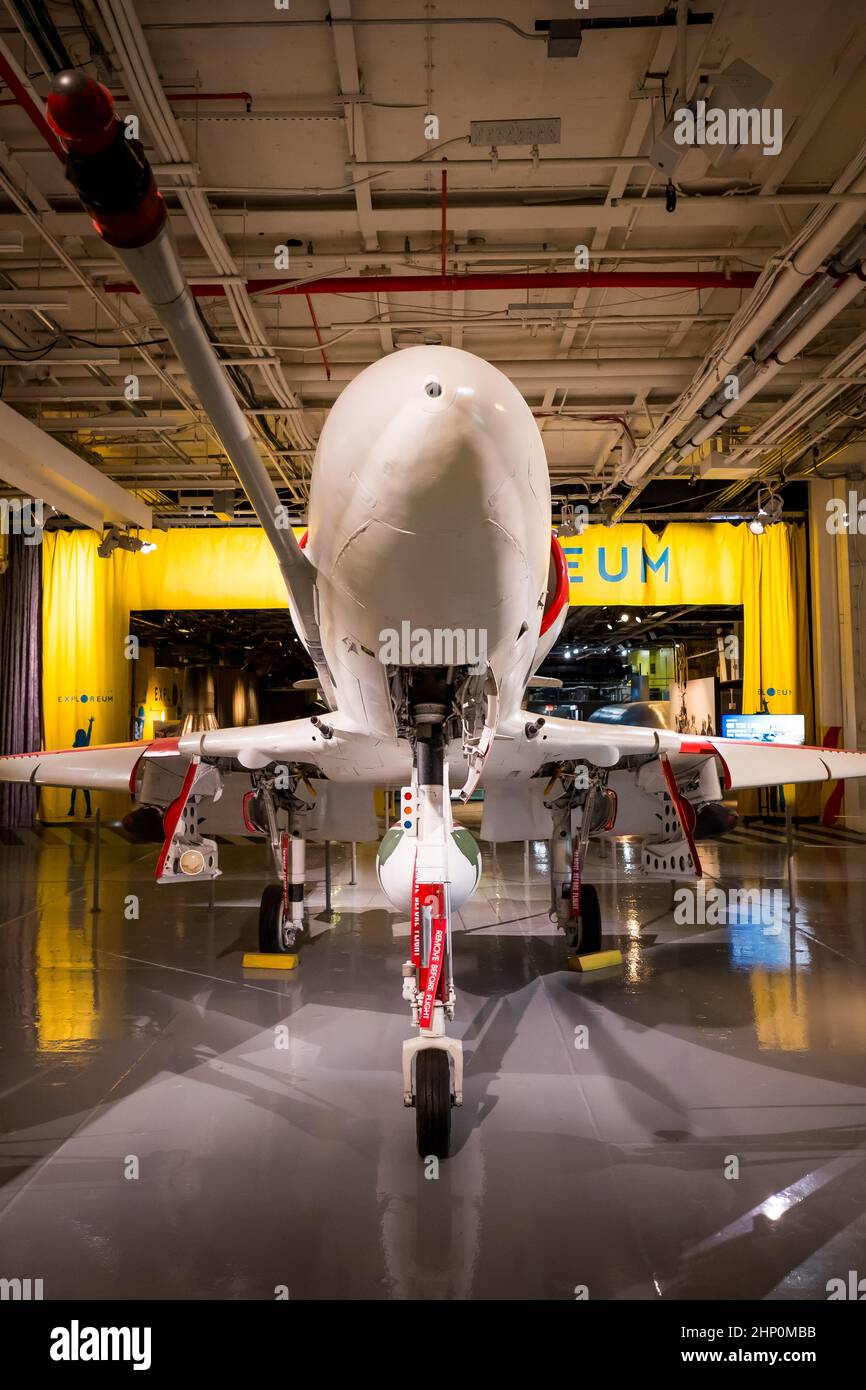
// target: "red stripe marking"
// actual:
[[701, 746], [685, 811], [560, 596], [160, 745], [706, 747], [93, 748], [416, 915], [163, 745], [173, 815], [247, 822]]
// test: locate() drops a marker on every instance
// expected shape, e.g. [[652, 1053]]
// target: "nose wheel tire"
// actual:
[[276, 932], [433, 1103], [585, 938]]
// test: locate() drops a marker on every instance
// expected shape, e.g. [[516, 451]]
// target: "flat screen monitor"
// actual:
[[765, 728]]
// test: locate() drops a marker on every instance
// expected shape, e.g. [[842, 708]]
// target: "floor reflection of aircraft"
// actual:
[[428, 593]]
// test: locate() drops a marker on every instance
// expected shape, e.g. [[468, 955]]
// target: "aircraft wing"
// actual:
[[111, 767], [743, 763], [330, 745]]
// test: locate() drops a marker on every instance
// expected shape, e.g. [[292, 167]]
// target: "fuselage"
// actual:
[[429, 527]]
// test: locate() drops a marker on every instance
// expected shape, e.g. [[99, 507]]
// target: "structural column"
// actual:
[[832, 632]]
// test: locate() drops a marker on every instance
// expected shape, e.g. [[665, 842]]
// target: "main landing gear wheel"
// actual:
[[585, 938], [433, 1102], [276, 932]]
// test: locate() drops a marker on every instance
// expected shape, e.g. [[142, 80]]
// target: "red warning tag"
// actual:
[[424, 895], [284, 846], [575, 881], [434, 972]]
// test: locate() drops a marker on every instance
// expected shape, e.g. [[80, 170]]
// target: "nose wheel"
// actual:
[[277, 931], [433, 1103]]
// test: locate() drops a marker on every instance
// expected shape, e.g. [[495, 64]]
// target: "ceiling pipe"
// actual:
[[460, 253], [811, 402], [173, 98], [680, 65], [448, 284], [554, 161], [771, 368], [542, 370], [817, 304], [801, 266], [319, 340], [817, 197]]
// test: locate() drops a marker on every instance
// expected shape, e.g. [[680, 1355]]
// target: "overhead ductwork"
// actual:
[[777, 308]]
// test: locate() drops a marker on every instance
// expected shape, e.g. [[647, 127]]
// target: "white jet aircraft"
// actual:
[[428, 592]]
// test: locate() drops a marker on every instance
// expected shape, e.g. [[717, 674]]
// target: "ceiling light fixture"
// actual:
[[122, 540], [769, 511]]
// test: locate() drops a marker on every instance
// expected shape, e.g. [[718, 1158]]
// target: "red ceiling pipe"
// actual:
[[319, 337], [437, 284], [26, 102], [444, 220]]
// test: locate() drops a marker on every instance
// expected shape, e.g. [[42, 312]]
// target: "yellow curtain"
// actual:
[[87, 673]]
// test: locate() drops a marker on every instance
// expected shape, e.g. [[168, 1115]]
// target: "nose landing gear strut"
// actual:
[[432, 1061]]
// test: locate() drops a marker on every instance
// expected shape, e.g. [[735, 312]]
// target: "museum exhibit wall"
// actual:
[[87, 602]]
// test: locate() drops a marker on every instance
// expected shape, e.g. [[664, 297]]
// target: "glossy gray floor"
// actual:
[[691, 1125]]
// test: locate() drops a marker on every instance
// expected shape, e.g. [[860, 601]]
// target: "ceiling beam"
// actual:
[[44, 468]]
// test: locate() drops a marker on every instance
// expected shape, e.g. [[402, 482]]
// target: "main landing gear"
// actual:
[[276, 933], [575, 905], [281, 914]]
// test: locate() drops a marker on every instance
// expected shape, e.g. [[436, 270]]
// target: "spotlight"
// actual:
[[623, 617], [566, 525], [770, 508], [122, 540]]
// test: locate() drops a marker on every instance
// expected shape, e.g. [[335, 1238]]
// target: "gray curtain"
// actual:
[[20, 671]]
